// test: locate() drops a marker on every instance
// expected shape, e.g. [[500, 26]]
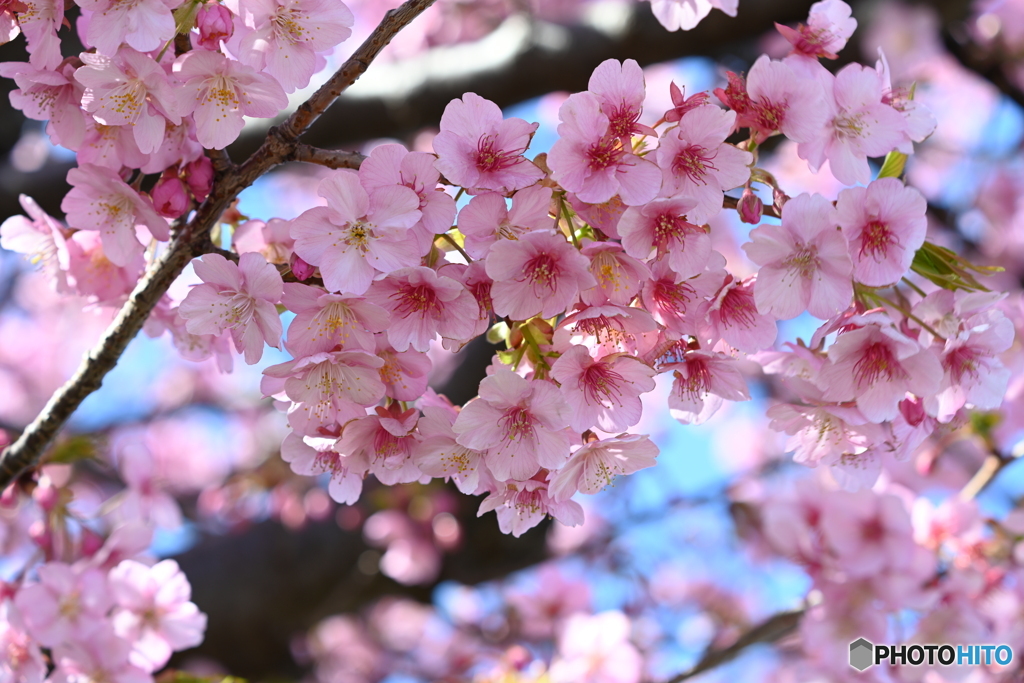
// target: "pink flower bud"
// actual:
[[300, 269], [214, 22], [199, 176], [169, 197], [750, 207], [46, 495]]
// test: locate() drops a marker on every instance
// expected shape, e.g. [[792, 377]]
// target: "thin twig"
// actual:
[[770, 630], [191, 240], [986, 474], [451, 240]]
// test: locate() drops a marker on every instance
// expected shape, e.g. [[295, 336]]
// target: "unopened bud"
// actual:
[[199, 176], [300, 269], [750, 207], [169, 197], [214, 23]]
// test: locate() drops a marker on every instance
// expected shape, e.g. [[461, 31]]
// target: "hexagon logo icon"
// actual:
[[861, 654]]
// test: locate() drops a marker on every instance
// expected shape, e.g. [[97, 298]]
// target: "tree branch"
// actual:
[[331, 158], [771, 630], [192, 240]]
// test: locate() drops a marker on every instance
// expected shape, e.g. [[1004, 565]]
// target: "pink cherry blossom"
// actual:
[[316, 456], [619, 275], [593, 467], [357, 234], [145, 499], [272, 239], [486, 219], [673, 300], [589, 160], [608, 329], [215, 23], [144, 24], [823, 433], [732, 315], [423, 305], [49, 95], [521, 505], [604, 393], [682, 104], [876, 365], [478, 149], [660, 226], [100, 200], [698, 164], [218, 91], [94, 276], [885, 224], [131, 89], [282, 37], [619, 88], [828, 27], [519, 423], [686, 14], [240, 298], [438, 454], [858, 125], [40, 22], [393, 164], [65, 604], [386, 441], [868, 532], [23, 662], [701, 381], [775, 99], [805, 262], [404, 373], [154, 611], [603, 216], [538, 274], [329, 387], [102, 655], [39, 237], [324, 321]]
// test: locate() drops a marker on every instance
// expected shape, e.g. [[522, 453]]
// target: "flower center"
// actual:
[[876, 238], [877, 363], [600, 383], [490, 157], [517, 423], [604, 153], [419, 299], [694, 162]]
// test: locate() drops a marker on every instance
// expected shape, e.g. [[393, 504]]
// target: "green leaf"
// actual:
[[948, 269], [893, 165], [72, 449]]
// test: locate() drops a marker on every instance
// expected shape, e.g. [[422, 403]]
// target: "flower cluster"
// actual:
[[595, 263]]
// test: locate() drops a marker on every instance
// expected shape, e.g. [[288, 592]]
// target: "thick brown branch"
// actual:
[[192, 240], [771, 630], [331, 158]]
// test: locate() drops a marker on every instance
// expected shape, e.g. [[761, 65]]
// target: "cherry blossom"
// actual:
[[619, 88], [100, 200], [218, 91], [315, 456], [486, 219], [39, 237], [49, 95], [154, 611], [885, 225], [828, 27], [775, 99], [604, 393], [733, 316], [701, 381], [240, 298], [395, 165], [357, 234], [538, 274], [23, 662], [282, 37], [876, 365], [477, 148], [518, 423], [660, 225], [129, 89], [593, 467], [686, 14], [698, 164], [324, 321], [589, 160], [596, 649], [65, 604], [144, 24], [805, 262], [521, 505], [422, 305], [386, 441], [440, 455], [40, 21], [619, 276]]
